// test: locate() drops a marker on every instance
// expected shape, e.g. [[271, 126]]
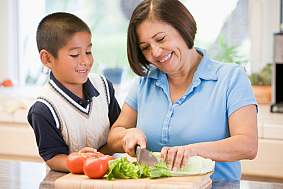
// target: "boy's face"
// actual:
[[74, 61]]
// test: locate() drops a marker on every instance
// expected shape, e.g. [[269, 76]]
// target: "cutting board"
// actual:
[[72, 181]]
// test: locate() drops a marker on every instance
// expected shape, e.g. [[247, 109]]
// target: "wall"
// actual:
[[8, 40], [264, 22]]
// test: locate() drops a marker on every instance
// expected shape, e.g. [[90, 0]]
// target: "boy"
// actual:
[[74, 112]]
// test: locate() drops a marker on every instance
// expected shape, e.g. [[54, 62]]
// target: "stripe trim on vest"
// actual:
[[51, 108], [85, 110], [106, 88]]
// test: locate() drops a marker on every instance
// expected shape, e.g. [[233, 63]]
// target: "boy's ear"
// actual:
[[46, 58]]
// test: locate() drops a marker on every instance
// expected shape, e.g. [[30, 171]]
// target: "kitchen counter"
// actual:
[[17, 137], [22, 175]]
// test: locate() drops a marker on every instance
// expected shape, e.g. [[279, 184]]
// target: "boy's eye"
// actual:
[[74, 55]]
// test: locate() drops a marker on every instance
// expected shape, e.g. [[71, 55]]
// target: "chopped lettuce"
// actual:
[[159, 170], [123, 168]]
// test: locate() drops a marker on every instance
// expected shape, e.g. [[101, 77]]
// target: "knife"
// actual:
[[145, 157]]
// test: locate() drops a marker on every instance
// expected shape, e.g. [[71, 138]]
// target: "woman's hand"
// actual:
[[176, 157], [133, 137]]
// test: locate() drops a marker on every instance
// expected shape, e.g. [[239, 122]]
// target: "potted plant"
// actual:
[[261, 83]]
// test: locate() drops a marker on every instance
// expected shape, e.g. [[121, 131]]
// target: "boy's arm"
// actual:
[[51, 145], [114, 108], [113, 114], [105, 150], [58, 163]]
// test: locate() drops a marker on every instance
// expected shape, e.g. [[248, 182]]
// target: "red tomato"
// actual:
[[75, 161], [96, 167], [7, 83]]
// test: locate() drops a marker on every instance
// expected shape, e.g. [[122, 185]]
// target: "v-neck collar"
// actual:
[[81, 104]]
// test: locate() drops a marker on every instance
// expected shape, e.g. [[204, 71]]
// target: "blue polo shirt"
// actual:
[[200, 115], [49, 139]]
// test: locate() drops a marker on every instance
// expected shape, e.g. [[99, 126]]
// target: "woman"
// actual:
[[184, 104]]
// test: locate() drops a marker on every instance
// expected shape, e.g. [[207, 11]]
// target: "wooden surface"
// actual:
[[72, 181], [29, 175]]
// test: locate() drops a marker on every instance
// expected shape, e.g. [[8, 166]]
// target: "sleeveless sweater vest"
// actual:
[[79, 126]]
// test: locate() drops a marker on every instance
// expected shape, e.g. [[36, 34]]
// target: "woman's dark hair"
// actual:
[[172, 12], [56, 29]]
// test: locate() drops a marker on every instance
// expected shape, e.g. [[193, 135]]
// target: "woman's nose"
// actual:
[[156, 51]]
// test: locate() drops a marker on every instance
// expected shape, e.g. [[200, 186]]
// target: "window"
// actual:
[[108, 20]]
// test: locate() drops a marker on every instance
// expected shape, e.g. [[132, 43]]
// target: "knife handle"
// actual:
[[137, 150]]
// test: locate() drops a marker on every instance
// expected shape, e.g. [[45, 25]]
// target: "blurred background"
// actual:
[[239, 31]]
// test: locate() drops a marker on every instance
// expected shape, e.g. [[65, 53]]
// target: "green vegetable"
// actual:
[[159, 170], [195, 165], [122, 168], [198, 165]]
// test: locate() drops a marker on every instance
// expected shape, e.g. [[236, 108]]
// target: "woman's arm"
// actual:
[[241, 145], [123, 136]]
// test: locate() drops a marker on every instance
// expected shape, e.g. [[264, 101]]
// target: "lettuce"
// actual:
[[122, 168], [125, 169], [196, 165]]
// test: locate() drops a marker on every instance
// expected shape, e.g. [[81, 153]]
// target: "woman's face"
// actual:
[[162, 45]]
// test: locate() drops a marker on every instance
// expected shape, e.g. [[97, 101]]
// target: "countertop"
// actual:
[[31, 175]]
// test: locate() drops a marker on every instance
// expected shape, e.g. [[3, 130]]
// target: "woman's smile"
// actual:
[[166, 58]]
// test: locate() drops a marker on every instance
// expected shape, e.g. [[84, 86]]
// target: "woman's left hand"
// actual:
[[176, 157]]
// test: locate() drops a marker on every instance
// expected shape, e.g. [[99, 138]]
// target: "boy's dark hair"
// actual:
[[56, 29], [172, 12]]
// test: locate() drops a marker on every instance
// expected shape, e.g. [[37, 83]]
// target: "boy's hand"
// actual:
[[87, 150]]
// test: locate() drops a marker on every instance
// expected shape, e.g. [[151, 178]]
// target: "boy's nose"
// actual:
[[85, 61]]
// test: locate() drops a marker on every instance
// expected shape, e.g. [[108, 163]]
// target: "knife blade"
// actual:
[[145, 157]]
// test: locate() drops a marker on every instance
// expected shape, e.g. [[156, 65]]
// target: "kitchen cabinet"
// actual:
[[17, 139], [269, 160]]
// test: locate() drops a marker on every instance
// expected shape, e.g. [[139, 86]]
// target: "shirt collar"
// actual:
[[154, 72], [88, 89], [207, 68]]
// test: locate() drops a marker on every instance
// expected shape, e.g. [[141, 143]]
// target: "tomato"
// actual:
[[75, 161], [96, 167], [7, 83]]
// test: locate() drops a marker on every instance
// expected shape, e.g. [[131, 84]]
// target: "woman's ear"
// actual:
[[46, 58]]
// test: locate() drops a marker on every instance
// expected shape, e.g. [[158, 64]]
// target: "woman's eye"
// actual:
[[144, 48], [161, 39], [74, 55], [89, 52]]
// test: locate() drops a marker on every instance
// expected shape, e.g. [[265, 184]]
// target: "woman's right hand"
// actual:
[[133, 137]]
